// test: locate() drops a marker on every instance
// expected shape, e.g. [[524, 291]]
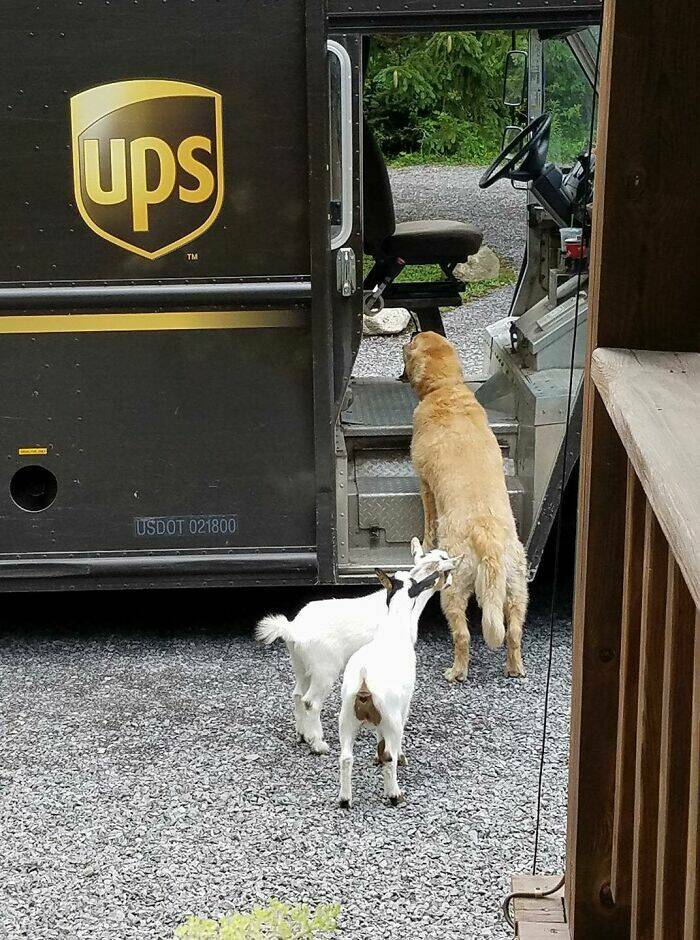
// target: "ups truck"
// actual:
[[188, 190]]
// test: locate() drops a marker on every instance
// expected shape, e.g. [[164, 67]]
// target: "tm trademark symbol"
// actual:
[[192, 256]]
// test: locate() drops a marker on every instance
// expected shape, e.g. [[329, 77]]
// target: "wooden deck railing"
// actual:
[[651, 844]]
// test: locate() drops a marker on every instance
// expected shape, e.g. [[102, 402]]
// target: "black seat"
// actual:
[[438, 241], [441, 242]]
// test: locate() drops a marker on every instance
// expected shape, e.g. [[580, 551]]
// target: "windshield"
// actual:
[[568, 94]]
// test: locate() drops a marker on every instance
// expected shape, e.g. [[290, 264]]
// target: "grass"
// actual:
[[278, 920], [431, 272]]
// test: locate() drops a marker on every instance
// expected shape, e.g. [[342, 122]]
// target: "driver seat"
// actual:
[[433, 241], [441, 242]]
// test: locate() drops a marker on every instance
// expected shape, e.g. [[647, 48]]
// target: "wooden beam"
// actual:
[[674, 774], [643, 271], [544, 932], [646, 789], [621, 874], [597, 620], [692, 883]]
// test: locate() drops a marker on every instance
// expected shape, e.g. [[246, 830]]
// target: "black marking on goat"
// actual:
[[417, 587]]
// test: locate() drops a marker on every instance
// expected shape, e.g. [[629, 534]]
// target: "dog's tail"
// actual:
[[274, 627], [490, 585]]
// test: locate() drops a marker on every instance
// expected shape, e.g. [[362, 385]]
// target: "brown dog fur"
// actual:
[[465, 502]]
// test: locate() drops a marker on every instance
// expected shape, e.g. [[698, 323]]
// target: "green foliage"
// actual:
[[569, 97], [277, 921], [437, 98]]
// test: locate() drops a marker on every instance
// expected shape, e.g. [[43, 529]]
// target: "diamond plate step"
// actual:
[[392, 505]]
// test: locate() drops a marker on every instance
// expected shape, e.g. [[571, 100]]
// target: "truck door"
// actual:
[[167, 393]]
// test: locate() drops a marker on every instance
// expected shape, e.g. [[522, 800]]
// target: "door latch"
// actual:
[[346, 272]]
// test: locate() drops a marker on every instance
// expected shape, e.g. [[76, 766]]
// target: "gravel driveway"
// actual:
[[149, 770], [452, 192]]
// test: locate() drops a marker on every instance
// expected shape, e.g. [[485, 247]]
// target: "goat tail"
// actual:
[[274, 627], [490, 585], [363, 693]]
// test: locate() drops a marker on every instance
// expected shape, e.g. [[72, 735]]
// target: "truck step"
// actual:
[[390, 506], [383, 408]]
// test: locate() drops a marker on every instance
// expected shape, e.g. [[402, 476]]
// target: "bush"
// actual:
[[277, 921]]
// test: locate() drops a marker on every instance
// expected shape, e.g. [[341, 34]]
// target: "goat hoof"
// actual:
[[344, 804], [320, 748], [397, 800], [403, 760]]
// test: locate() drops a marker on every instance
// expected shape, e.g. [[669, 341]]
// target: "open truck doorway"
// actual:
[[525, 360]]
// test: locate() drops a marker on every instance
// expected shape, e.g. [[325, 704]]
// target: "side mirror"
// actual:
[[515, 79], [510, 132]]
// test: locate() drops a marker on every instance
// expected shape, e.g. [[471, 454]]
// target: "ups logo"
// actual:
[[148, 163]]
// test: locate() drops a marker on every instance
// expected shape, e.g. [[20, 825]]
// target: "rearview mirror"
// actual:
[[515, 79]]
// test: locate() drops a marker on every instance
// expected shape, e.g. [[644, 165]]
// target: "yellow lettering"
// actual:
[[93, 181], [197, 169], [143, 197]]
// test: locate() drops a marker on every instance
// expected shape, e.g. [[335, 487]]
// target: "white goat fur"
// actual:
[[322, 638], [378, 685]]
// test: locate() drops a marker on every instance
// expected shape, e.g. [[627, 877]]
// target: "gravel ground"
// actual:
[[452, 192], [148, 770]]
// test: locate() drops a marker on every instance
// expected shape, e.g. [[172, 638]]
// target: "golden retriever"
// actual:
[[465, 502]]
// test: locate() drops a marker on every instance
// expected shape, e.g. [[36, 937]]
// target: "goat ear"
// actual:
[[384, 579], [416, 549]]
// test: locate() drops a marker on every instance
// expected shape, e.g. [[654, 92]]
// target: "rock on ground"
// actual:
[[483, 266], [390, 321]]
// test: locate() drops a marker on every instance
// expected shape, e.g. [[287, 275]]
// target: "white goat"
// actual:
[[322, 638], [380, 677]]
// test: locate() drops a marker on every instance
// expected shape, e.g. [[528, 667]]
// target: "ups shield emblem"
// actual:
[[148, 163]]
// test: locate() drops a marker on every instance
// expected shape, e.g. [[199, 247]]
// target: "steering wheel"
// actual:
[[524, 157]]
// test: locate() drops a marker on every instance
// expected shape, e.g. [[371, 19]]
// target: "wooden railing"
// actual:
[[647, 830]]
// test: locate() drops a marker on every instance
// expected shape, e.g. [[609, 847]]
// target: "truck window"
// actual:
[[569, 96]]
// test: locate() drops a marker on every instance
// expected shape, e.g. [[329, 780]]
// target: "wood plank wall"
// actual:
[[644, 290]]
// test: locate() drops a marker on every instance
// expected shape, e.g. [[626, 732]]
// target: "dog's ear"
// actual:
[[385, 580], [416, 550]]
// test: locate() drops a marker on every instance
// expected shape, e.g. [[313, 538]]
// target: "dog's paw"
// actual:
[[456, 674], [514, 672]]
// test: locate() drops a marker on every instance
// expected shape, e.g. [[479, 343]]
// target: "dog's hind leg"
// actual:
[[516, 609], [453, 601], [430, 539]]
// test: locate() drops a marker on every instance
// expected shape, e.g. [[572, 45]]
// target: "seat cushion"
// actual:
[[437, 241]]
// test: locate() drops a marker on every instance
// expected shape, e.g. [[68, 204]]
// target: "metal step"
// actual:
[[383, 408], [389, 510]]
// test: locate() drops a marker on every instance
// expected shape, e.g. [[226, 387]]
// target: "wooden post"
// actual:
[[643, 296]]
